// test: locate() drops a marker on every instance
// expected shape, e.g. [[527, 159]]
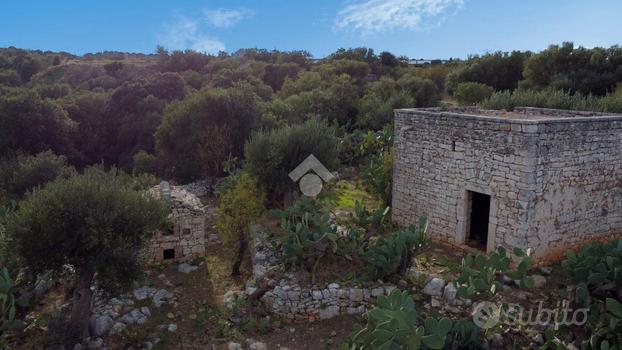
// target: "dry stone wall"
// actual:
[[288, 299], [554, 177], [187, 237]]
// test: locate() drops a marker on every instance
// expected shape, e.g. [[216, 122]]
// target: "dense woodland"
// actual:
[[99, 128], [181, 115]]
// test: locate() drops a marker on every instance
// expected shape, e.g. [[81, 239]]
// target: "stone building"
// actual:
[[532, 178], [186, 238]]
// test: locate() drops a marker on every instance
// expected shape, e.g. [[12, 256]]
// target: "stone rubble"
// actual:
[[295, 303]]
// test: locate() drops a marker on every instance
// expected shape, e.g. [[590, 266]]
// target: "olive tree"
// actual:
[[239, 207], [94, 222]]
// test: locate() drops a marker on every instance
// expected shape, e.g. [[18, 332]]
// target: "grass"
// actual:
[[345, 193]]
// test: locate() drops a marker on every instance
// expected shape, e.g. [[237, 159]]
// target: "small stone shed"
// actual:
[[186, 238], [534, 178]]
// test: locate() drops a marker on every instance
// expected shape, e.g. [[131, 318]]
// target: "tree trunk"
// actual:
[[242, 244], [81, 305]]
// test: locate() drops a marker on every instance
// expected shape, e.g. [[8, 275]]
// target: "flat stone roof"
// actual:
[[529, 115]]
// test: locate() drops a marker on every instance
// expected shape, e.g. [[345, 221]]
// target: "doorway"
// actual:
[[479, 218], [168, 254]]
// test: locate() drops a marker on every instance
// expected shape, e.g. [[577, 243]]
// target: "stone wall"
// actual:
[[187, 237], [578, 193], [297, 304], [553, 176], [294, 303]]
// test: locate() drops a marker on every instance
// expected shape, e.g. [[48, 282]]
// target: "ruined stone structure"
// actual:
[[186, 238], [532, 178]]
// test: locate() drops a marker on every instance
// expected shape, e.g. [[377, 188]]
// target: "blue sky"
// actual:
[[416, 28]]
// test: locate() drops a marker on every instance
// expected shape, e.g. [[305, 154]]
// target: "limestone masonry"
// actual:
[[532, 178], [186, 239]]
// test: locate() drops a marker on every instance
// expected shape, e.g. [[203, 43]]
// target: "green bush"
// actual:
[[395, 323], [478, 275], [309, 238], [272, 155], [549, 98], [596, 264], [471, 93], [9, 302], [378, 175], [25, 172], [145, 163], [239, 207], [391, 253]]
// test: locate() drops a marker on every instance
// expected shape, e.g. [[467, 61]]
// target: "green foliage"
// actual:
[[200, 132], [378, 175], [8, 302], [25, 172], [270, 156], [145, 163], [607, 334], [383, 96], [499, 70], [325, 94], [395, 323], [596, 264], [91, 221], [391, 253], [575, 69], [466, 335], [239, 207], [32, 124], [309, 235], [478, 275], [471, 93], [377, 220], [549, 98]]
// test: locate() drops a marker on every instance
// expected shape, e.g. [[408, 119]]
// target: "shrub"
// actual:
[[596, 263], [10, 302], [550, 98], [391, 253], [500, 70], [25, 172], [478, 275], [145, 163], [270, 156], [395, 323], [472, 93], [309, 237], [238, 208], [378, 175]]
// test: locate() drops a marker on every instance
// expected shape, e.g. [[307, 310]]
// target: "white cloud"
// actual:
[[185, 33], [373, 16], [225, 18]]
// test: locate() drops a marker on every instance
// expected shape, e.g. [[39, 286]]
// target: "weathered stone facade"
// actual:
[[187, 237], [553, 178]]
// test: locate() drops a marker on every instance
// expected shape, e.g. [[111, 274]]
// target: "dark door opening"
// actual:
[[479, 218], [168, 254]]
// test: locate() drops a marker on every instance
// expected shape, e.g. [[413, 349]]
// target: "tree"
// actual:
[[500, 70], [32, 124], [588, 71], [26, 172], [471, 93], [270, 156], [200, 132], [93, 222], [239, 207]]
